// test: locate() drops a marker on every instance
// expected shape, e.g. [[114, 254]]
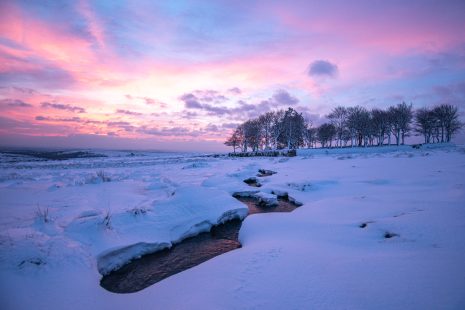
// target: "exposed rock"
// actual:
[[389, 235], [253, 181], [265, 173]]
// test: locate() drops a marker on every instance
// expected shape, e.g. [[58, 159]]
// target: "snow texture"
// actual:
[[379, 228]]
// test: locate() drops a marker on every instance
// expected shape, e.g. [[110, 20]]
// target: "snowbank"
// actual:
[[372, 150]]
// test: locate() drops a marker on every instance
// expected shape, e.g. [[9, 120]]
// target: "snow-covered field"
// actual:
[[63, 223]]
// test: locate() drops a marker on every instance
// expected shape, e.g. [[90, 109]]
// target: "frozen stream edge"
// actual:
[[134, 274]]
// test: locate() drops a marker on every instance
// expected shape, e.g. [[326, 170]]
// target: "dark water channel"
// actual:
[[152, 268]]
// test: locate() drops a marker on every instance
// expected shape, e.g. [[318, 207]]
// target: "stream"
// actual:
[[152, 268]]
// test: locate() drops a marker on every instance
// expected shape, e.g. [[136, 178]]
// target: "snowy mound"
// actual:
[[190, 211]]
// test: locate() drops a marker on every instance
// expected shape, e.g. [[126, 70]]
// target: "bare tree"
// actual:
[[235, 140], [338, 117], [425, 123], [326, 133], [252, 134], [293, 129], [277, 128], [380, 124], [289, 129], [448, 121], [401, 118], [390, 124], [351, 124], [310, 136], [241, 137], [452, 122], [266, 122], [358, 124], [346, 136]]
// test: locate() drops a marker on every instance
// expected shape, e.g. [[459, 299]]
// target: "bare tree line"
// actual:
[[347, 126]]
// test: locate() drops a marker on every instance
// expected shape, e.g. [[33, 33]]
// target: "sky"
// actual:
[[181, 75]]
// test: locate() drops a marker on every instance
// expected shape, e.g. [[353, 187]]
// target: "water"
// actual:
[[152, 268], [284, 205]]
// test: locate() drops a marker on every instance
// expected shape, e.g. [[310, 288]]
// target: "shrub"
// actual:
[[106, 222], [42, 215], [138, 211], [102, 175]]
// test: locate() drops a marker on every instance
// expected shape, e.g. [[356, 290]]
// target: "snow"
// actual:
[[317, 256], [266, 199]]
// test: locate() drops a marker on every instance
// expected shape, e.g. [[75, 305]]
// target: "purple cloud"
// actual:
[[283, 98], [210, 96], [15, 126], [60, 106], [15, 103], [321, 68], [191, 101], [211, 127], [203, 99], [189, 114], [127, 112], [280, 99], [147, 100], [230, 125], [69, 119], [235, 91], [174, 131], [24, 90], [123, 125]]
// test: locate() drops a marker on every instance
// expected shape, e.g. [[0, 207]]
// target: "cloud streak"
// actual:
[[280, 99], [15, 103], [127, 112], [60, 106]]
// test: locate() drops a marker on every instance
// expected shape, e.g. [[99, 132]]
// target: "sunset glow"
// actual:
[[175, 75]]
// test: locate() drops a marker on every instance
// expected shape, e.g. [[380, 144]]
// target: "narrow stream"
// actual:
[[284, 205], [152, 268]]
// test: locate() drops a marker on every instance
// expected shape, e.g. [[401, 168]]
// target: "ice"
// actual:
[[112, 259]]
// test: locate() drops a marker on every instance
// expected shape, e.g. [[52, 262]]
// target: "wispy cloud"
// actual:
[[242, 109], [15, 103], [58, 119], [235, 91], [127, 112], [147, 100], [60, 106]]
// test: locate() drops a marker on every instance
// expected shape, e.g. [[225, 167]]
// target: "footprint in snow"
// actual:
[[253, 268]]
